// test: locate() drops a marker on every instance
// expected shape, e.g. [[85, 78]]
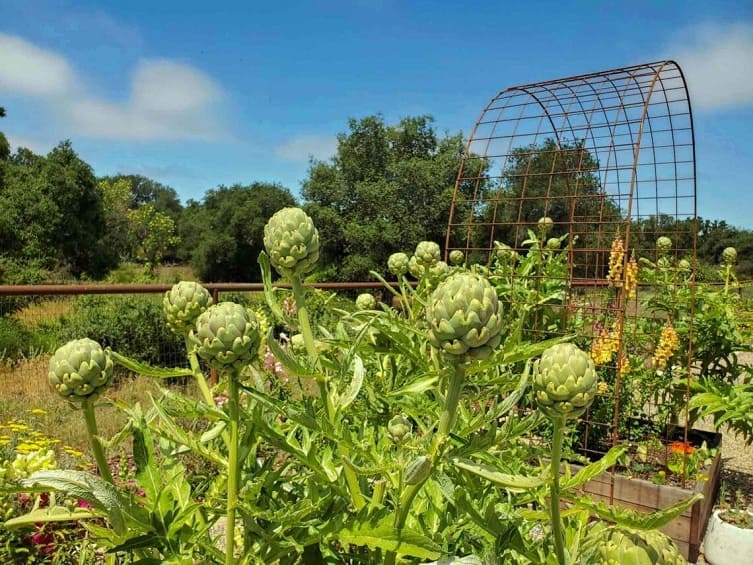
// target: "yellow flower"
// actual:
[[602, 387], [668, 344], [631, 278], [616, 259], [72, 451], [39, 411]]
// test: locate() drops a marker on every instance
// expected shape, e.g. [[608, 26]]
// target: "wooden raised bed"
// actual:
[[639, 494]]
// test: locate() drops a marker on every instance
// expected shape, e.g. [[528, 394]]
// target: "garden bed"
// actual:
[[643, 495]]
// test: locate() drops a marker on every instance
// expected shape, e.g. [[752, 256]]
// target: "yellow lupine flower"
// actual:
[[631, 278]]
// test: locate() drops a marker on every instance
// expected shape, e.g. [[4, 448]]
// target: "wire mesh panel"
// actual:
[[609, 159]]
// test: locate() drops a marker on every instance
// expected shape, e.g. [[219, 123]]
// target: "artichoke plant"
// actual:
[[464, 316], [80, 369], [663, 245], [365, 301], [456, 257], [226, 335], [565, 381], [729, 255], [183, 303], [292, 242], [398, 264], [416, 268], [427, 253], [613, 545]]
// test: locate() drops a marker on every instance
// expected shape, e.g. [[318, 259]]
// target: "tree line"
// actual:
[[386, 188]]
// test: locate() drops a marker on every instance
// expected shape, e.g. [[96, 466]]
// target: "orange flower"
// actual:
[[681, 448]]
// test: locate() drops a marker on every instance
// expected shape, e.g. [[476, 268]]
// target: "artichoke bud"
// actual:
[[297, 343], [615, 545], [399, 428], [183, 303], [80, 369], [439, 269], [292, 242], [427, 253], [464, 316], [398, 264], [565, 381], [683, 265], [545, 225], [415, 268], [504, 252], [663, 245], [365, 301], [553, 243], [418, 470], [729, 255], [457, 257], [226, 336]]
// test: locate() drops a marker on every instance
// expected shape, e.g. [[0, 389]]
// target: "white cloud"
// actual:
[[717, 61], [29, 70], [167, 100], [38, 146], [301, 148]]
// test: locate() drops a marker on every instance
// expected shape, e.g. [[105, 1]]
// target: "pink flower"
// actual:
[[83, 504]]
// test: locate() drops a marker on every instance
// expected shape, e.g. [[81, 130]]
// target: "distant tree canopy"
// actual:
[[386, 189], [222, 236], [147, 191]]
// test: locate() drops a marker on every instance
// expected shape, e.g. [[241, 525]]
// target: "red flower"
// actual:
[[681, 448]]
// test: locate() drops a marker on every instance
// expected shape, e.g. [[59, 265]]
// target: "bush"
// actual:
[[132, 325], [16, 340]]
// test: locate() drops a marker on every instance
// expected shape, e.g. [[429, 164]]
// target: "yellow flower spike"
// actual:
[[616, 259], [631, 278], [668, 344]]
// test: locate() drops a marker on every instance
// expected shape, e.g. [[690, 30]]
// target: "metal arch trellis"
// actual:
[[607, 155]]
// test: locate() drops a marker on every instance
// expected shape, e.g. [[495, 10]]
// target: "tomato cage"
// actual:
[[608, 159]]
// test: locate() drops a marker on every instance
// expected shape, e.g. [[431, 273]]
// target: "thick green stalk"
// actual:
[[198, 375], [559, 541], [233, 468], [446, 422], [308, 340], [99, 453]]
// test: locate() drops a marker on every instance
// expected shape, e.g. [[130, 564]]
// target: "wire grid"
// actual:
[[606, 155]]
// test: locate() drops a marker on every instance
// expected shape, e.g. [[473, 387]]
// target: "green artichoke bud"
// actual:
[[456, 257], [504, 252], [553, 243], [416, 268], [226, 335], [545, 224], [297, 343], [365, 301], [612, 545], [80, 369], [427, 253], [292, 242], [418, 470], [183, 303], [683, 265], [565, 381], [398, 264], [663, 245], [729, 255], [399, 428], [464, 317], [439, 269]]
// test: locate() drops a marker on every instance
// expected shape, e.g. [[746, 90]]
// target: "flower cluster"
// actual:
[[669, 342], [604, 346], [631, 278], [616, 260]]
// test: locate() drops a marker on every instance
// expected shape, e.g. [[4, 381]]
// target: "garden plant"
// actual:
[[435, 429]]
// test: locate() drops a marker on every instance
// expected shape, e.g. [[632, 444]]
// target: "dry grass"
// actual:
[[25, 390], [45, 311]]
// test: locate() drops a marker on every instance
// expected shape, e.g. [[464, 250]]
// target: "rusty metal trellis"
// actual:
[[606, 155]]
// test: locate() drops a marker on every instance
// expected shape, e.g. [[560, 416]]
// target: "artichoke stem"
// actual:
[[446, 421], [559, 543], [99, 453], [233, 468], [200, 380]]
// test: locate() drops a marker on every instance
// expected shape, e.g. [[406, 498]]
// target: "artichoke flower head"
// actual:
[[397, 263], [226, 335], [292, 242], [365, 301], [464, 316], [564, 381], [612, 545], [729, 255], [183, 303], [457, 257], [80, 370]]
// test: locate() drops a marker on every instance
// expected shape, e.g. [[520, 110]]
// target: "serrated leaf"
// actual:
[[631, 518], [288, 360], [382, 535], [147, 370], [595, 469], [513, 483], [213, 433], [416, 387]]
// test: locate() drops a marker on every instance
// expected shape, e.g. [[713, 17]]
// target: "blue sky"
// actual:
[[198, 94]]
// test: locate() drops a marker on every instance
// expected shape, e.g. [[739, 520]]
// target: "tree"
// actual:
[[153, 234], [147, 191], [223, 236], [116, 199], [386, 189]]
